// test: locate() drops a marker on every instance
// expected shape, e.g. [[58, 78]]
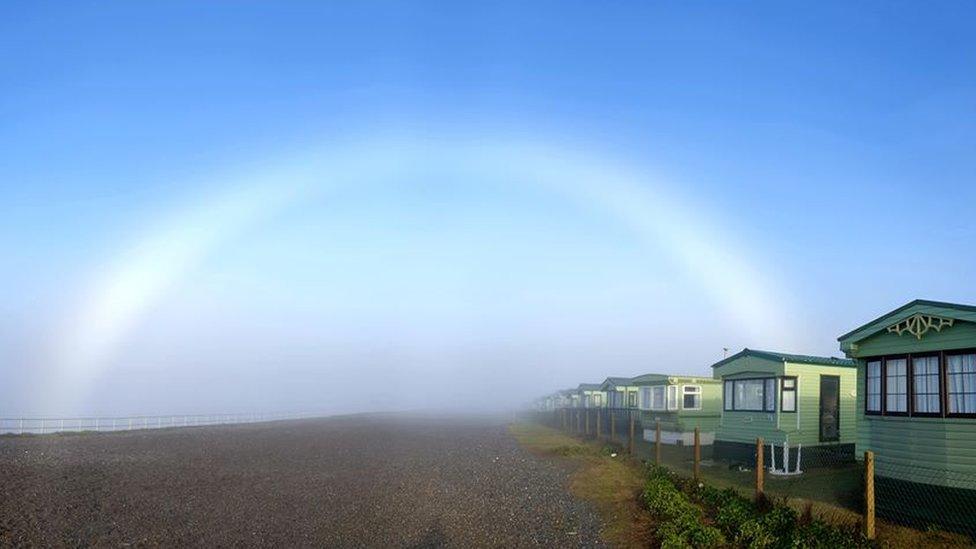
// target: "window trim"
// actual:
[[698, 394], [794, 390], [762, 409]]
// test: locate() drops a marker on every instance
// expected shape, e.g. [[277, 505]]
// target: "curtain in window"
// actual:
[[926, 385], [645, 398], [728, 395], [749, 394], [657, 403], [873, 392], [770, 395], [961, 376], [672, 397], [896, 381]]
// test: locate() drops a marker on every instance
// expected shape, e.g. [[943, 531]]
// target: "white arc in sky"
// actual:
[[143, 274]]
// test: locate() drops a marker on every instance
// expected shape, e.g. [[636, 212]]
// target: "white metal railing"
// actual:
[[41, 426]]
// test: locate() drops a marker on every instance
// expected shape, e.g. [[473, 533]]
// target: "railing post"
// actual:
[[613, 425], [869, 494], [760, 469], [697, 469], [630, 446], [657, 442], [598, 421]]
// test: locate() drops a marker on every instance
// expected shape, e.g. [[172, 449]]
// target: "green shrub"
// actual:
[[681, 521], [684, 508]]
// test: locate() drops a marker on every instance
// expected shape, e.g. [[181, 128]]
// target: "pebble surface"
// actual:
[[353, 481]]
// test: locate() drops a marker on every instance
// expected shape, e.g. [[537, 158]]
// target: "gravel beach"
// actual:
[[353, 481]]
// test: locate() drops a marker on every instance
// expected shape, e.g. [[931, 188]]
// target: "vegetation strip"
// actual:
[[651, 505]]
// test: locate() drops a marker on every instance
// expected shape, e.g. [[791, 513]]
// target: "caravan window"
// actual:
[[751, 395], [645, 398], [631, 399], [691, 397], [672, 397], [788, 394], [896, 386], [925, 386], [961, 383], [657, 398], [872, 402]]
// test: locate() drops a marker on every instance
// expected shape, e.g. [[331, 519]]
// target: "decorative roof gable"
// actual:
[[919, 324]]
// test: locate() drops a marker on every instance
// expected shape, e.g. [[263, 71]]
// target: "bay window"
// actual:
[[923, 385], [750, 395]]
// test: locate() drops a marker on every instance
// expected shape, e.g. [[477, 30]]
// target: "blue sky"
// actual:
[[829, 147]]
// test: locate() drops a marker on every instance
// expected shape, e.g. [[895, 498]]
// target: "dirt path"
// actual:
[[350, 482]]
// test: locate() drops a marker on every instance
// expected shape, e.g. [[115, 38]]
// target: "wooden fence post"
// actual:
[[631, 444], [760, 469], [579, 421], [613, 425], [586, 413], [598, 421], [657, 443], [697, 469], [869, 494]]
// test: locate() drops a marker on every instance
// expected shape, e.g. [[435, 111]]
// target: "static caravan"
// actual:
[[680, 404], [590, 396], [802, 406], [621, 393], [916, 409], [564, 398]]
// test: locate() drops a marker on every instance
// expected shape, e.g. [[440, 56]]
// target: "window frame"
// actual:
[[794, 390], [632, 400], [684, 394]]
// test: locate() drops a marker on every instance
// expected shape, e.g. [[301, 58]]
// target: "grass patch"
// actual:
[[611, 484]]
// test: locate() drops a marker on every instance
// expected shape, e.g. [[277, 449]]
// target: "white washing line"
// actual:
[[46, 425]]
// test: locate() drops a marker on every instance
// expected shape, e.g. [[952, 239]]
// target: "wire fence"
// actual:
[[50, 425], [826, 481]]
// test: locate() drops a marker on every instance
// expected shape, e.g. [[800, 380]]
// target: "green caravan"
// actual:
[[801, 406], [916, 410], [678, 404]]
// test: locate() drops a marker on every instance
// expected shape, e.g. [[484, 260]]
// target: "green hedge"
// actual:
[[695, 515]]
